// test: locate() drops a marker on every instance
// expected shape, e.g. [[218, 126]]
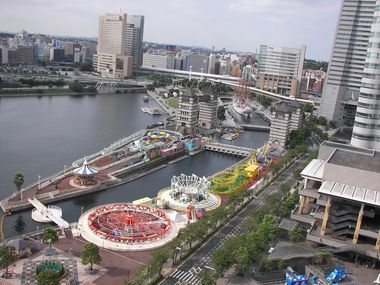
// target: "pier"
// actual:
[[47, 212], [228, 149]]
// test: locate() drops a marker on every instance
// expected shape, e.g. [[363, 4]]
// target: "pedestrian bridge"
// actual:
[[49, 213], [228, 149]]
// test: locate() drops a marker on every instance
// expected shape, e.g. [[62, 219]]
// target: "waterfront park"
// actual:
[[179, 216]]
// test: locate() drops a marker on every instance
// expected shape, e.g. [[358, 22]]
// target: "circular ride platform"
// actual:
[[186, 190], [124, 227]]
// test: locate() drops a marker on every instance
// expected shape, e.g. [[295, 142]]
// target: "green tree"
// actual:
[[49, 236], [84, 66], [76, 86], [47, 277], [207, 278], [7, 257], [221, 260], [18, 180], [243, 259], [307, 107], [90, 254], [322, 121], [296, 235], [221, 113]]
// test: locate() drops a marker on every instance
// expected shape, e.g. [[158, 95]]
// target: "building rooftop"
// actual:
[[286, 106], [350, 192], [365, 160], [314, 169]]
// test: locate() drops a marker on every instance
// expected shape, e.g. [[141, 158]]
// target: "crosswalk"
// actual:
[[186, 277]]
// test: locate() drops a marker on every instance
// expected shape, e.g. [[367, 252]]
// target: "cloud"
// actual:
[[233, 24]]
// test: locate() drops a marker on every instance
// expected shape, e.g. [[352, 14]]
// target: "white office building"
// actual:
[[280, 69], [366, 132]]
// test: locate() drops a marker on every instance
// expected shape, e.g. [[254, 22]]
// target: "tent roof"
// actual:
[[85, 169]]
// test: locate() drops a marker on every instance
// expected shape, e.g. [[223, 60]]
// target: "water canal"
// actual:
[[39, 135]]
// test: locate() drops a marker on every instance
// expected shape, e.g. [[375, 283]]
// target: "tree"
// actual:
[[76, 86], [296, 234], [322, 121], [221, 260], [47, 277], [221, 113], [207, 278], [49, 236], [6, 257], [308, 107], [18, 180], [90, 254]]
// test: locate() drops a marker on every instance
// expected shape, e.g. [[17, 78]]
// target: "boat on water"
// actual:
[[242, 109], [146, 98], [151, 111], [230, 136]]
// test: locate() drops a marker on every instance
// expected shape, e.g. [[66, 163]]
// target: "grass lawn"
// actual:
[[172, 102]]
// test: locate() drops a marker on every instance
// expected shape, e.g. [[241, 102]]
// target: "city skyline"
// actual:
[[194, 23]]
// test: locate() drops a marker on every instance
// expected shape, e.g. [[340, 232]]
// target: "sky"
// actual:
[[239, 25]]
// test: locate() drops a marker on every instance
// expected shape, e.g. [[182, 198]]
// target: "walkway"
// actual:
[[48, 213], [228, 149]]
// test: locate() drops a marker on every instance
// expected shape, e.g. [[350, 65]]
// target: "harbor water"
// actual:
[[40, 135]]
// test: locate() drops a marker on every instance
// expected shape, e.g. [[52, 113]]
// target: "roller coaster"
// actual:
[[230, 181]]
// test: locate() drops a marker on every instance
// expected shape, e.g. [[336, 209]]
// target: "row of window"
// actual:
[[366, 138], [370, 96], [369, 106], [366, 126], [368, 116], [371, 86]]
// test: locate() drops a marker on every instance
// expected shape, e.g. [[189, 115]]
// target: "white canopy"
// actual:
[[85, 169]]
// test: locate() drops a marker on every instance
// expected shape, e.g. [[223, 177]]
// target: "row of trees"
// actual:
[[242, 251], [76, 86], [193, 235], [35, 82]]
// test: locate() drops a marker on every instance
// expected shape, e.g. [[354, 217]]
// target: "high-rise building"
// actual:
[[345, 72], [285, 117], [280, 69], [208, 104], [134, 40], [366, 132], [187, 112], [111, 35], [120, 41]]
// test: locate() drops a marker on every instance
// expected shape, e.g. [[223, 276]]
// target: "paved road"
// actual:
[[186, 272]]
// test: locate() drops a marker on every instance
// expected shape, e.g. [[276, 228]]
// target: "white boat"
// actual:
[[241, 106]]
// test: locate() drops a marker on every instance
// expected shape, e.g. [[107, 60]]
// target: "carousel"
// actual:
[[84, 176], [124, 226], [189, 190]]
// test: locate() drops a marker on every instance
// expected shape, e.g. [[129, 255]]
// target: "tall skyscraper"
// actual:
[[366, 132], [280, 69], [120, 39], [345, 72], [134, 39]]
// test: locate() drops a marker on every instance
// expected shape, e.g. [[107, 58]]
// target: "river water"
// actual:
[[39, 135]]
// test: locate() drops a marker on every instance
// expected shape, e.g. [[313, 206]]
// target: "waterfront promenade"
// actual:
[[63, 184]]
